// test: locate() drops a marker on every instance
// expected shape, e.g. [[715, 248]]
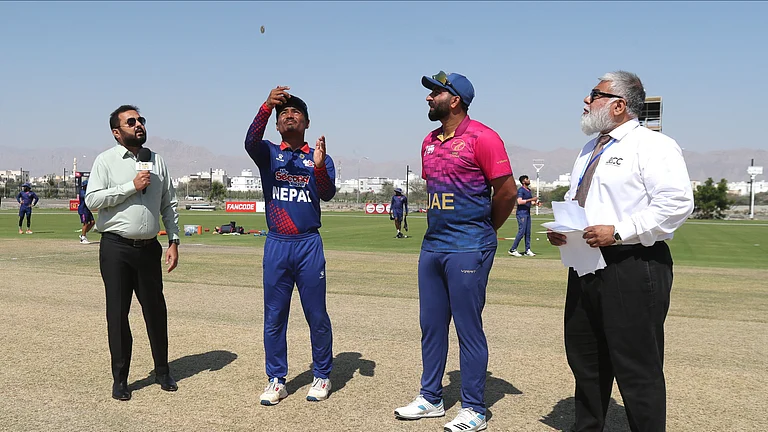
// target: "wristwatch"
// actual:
[[616, 237], [174, 241]]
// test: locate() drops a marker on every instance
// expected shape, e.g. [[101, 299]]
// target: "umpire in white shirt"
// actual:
[[130, 203], [635, 190]]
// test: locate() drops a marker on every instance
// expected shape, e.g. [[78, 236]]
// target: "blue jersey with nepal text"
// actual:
[[27, 199], [524, 194], [292, 186], [398, 203]]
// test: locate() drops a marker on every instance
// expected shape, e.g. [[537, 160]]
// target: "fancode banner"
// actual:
[[245, 206], [73, 204], [377, 208]]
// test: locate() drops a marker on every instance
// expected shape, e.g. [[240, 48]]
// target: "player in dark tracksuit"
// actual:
[[399, 202], [295, 178], [86, 216], [27, 199]]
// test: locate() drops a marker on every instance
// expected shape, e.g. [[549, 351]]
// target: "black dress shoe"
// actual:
[[120, 391], [166, 382]]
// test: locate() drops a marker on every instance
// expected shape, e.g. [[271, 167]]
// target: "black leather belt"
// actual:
[[131, 242]]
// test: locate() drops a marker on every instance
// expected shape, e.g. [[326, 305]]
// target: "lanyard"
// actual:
[[594, 158]]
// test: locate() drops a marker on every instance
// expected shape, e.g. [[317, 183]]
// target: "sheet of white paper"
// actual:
[[578, 254], [570, 220], [559, 228], [570, 214]]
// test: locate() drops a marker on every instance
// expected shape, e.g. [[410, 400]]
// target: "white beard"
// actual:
[[597, 121]]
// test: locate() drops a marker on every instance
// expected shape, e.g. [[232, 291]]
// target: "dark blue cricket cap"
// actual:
[[456, 84]]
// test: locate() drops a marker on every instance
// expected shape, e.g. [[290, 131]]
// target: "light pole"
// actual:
[[357, 200], [753, 171], [407, 175], [538, 164]]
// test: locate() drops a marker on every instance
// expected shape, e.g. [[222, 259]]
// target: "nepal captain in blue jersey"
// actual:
[[295, 178]]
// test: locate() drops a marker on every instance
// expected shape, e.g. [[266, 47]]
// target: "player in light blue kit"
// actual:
[[295, 178]]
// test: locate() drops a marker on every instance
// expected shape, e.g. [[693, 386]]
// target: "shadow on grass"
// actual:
[[562, 416], [495, 390], [344, 367], [187, 366]]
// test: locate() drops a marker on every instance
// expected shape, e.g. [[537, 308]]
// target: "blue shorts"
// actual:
[[25, 211], [85, 216], [397, 215]]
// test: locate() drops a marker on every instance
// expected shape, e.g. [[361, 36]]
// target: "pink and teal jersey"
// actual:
[[458, 171]]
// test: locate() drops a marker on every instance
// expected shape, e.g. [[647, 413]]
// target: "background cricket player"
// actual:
[[27, 199], [86, 217], [396, 207], [463, 162], [295, 178]]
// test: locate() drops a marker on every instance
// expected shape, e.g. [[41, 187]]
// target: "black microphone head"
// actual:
[[145, 154]]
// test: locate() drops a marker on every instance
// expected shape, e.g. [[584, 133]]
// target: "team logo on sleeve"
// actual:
[[295, 180], [280, 158], [308, 163], [430, 149]]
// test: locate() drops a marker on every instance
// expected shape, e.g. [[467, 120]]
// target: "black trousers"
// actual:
[[614, 328], [126, 269]]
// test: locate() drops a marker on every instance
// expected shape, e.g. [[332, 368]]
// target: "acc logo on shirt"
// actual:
[[295, 180], [458, 145], [614, 161]]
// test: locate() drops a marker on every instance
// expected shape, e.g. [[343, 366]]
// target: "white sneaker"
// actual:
[[319, 390], [529, 253], [466, 421], [274, 392], [420, 408], [84, 240], [515, 253]]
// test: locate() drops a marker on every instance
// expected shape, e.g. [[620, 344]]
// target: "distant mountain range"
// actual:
[[186, 159]]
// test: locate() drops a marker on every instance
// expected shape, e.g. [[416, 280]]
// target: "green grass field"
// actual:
[[726, 244], [57, 362]]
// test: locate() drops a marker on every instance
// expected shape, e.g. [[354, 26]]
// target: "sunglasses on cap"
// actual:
[[442, 78], [597, 94], [131, 122]]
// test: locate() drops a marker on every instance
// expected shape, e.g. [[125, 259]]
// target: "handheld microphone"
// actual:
[[144, 163]]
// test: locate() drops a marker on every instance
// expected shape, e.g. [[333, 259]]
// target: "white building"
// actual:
[[742, 187], [245, 182], [15, 175]]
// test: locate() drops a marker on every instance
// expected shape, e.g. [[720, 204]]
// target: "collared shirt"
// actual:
[[27, 199], [641, 185], [398, 203], [293, 186], [122, 209], [524, 193], [458, 171]]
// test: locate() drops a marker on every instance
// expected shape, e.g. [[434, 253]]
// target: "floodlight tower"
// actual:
[[538, 164], [753, 171]]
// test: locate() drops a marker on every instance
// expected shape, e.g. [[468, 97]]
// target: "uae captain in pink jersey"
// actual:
[[471, 193]]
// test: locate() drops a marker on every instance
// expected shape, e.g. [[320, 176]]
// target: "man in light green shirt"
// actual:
[[131, 196]]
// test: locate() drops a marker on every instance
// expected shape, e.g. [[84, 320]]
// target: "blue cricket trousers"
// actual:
[[453, 285], [523, 230], [299, 260]]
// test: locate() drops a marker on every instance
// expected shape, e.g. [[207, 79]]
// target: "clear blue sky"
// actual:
[[199, 71]]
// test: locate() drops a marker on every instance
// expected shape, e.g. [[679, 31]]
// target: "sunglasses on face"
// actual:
[[131, 122], [597, 94], [442, 78]]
